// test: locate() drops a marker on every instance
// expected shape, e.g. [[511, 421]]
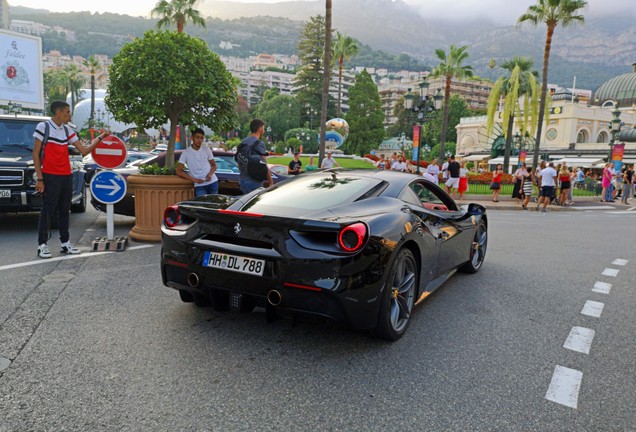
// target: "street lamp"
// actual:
[[424, 107], [269, 134], [310, 112], [615, 126]]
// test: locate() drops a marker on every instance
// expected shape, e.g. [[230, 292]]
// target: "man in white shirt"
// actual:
[[328, 162], [548, 179], [201, 166], [399, 165]]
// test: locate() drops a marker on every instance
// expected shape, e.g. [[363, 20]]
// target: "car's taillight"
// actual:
[[172, 216], [353, 237]]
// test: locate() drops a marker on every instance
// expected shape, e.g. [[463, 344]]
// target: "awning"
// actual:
[[475, 157], [500, 160], [579, 162]]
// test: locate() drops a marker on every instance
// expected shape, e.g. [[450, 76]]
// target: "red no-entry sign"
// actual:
[[110, 152]]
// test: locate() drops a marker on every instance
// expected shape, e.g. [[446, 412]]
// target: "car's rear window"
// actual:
[[314, 193]]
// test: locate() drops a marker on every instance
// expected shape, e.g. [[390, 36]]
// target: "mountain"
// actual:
[[594, 52]]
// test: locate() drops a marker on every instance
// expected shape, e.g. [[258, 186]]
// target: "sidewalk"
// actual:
[[580, 203]]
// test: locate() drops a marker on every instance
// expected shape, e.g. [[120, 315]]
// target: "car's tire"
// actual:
[[477, 250], [185, 296], [80, 207], [398, 297]]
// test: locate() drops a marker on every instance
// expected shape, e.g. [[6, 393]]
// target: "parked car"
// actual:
[[227, 172], [90, 166], [17, 174], [278, 169], [361, 247]]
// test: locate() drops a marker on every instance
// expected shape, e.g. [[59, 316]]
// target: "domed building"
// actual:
[[576, 131], [619, 90], [103, 117]]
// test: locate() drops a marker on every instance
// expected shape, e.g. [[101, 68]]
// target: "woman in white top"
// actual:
[[433, 170]]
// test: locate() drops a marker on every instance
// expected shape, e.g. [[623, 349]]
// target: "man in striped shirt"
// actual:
[[54, 175]]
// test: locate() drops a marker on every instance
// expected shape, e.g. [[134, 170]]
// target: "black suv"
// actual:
[[17, 175]]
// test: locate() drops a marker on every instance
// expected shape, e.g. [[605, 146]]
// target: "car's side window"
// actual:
[[424, 194]]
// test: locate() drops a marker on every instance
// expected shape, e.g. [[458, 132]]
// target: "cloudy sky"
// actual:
[[501, 11]]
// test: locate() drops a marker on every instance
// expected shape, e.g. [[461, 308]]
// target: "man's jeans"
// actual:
[[210, 189], [58, 193]]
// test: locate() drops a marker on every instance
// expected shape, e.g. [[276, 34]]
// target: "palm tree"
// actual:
[[75, 81], [325, 82], [550, 12], [450, 66], [521, 83], [345, 48], [93, 66], [177, 12], [492, 63]]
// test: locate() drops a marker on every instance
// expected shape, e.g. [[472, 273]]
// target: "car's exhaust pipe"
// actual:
[[194, 280], [274, 297]]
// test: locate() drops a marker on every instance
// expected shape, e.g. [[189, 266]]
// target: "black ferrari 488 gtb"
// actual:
[[361, 247]]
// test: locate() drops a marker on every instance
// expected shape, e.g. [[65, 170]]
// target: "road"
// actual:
[[97, 343]]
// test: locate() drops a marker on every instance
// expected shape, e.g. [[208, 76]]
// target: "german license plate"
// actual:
[[5, 193], [235, 263]]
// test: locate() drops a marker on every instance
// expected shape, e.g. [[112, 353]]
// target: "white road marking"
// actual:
[[579, 340], [610, 272], [601, 207], [620, 262], [565, 386], [602, 287], [593, 309], [67, 257]]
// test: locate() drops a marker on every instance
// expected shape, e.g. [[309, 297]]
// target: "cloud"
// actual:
[[505, 12]]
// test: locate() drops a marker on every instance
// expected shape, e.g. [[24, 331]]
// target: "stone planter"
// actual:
[[153, 193]]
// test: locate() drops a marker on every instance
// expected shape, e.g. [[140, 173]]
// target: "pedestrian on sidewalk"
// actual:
[[495, 185], [516, 184], [53, 174], [564, 180], [526, 186], [606, 183], [433, 170], [201, 166], [628, 184], [452, 183], [548, 178], [463, 180]]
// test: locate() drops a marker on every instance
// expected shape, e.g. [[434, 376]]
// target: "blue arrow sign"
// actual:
[[108, 187]]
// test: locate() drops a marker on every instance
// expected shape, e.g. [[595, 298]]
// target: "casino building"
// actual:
[[576, 131]]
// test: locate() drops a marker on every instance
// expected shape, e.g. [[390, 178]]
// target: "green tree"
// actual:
[[177, 12], [75, 81], [308, 81], [280, 112], [550, 12], [93, 66], [326, 72], [520, 83], [344, 48], [451, 66], [55, 85], [365, 116], [170, 76]]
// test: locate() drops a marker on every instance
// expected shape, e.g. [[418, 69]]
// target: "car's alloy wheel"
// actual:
[[399, 297], [477, 250]]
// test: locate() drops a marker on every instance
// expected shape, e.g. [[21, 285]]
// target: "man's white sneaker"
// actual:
[[68, 248], [43, 251]]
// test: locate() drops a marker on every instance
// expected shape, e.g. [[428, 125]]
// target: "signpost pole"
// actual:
[[110, 222]]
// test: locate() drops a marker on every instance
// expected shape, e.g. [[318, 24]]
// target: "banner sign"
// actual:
[[522, 156], [21, 70], [617, 156], [416, 142]]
